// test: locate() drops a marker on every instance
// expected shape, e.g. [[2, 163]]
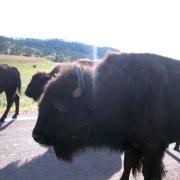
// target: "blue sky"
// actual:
[[129, 25]]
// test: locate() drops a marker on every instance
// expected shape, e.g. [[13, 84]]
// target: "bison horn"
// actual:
[[78, 91], [55, 75]]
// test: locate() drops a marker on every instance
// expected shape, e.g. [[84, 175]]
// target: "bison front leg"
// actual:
[[16, 99], [132, 161]]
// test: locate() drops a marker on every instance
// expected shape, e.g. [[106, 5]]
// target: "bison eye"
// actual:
[[61, 107]]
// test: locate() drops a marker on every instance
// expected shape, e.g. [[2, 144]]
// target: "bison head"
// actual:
[[63, 115], [36, 86]]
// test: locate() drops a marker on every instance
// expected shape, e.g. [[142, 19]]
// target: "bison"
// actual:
[[10, 83], [128, 103], [39, 80]]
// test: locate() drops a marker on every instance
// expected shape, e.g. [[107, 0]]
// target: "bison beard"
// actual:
[[68, 148], [64, 152]]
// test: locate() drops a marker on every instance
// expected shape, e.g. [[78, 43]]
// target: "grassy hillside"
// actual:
[[25, 66], [54, 49]]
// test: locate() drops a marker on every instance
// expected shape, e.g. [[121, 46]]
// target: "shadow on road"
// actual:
[[173, 156], [92, 165], [4, 125]]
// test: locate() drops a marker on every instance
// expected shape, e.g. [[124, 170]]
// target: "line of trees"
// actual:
[[54, 49]]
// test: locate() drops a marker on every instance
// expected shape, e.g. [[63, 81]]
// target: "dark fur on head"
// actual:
[[40, 79], [37, 84]]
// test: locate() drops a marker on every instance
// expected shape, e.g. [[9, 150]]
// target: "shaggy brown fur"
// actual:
[[128, 103], [10, 83]]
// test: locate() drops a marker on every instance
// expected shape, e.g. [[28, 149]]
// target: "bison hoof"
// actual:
[[15, 116], [2, 120]]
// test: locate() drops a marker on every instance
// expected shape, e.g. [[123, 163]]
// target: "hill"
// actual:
[[54, 49]]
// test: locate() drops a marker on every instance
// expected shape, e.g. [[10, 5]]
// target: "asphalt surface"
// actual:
[[23, 159]]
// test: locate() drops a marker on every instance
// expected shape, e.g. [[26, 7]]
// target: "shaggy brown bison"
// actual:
[[10, 83], [39, 80], [128, 102]]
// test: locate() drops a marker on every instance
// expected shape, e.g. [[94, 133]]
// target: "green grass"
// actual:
[[25, 66]]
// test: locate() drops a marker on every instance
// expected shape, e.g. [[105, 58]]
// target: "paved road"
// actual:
[[23, 159]]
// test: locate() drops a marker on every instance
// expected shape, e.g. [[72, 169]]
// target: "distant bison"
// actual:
[[39, 80], [128, 102], [10, 83]]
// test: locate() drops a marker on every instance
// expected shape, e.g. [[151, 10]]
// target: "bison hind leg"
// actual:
[[16, 100], [153, 168]]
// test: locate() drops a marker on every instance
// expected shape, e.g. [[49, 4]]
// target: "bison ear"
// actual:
[[79, 90]]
